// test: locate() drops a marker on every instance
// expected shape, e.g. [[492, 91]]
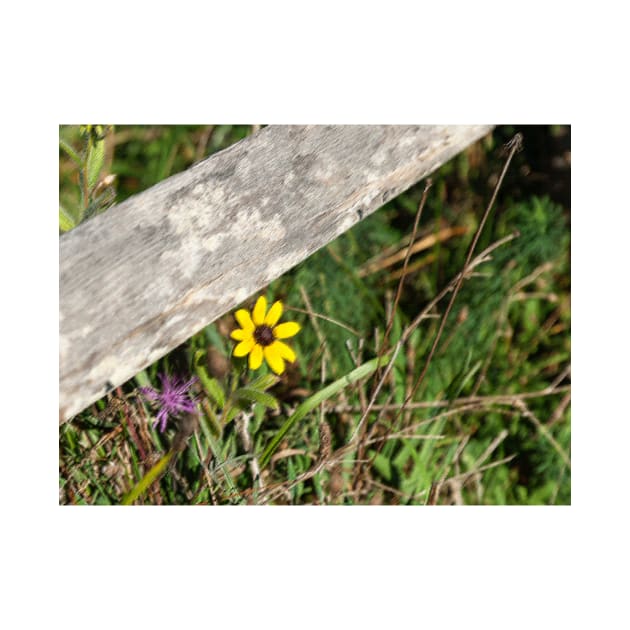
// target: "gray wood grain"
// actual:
[[143, 277]]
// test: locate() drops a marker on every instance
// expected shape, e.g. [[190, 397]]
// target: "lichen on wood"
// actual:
[[140, 279]]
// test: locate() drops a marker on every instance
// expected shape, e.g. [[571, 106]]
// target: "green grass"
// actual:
[[488, 424]]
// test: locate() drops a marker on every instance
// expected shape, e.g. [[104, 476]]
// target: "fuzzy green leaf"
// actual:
[[72, 154], [264, 382], [66, 220], [95, 159], [213, 388], [231, 414], [253, 395]]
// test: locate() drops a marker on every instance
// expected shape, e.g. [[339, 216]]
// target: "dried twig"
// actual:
[[524, 409], [380, 262], [467, 400], [516, 144]]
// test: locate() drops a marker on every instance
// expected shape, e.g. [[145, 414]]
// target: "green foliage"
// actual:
[[94, 157], [507, 335], [95, 193], [329, 278], [312, 402]]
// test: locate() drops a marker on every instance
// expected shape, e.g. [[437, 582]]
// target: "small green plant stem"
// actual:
[[145, 483], [314, 401]]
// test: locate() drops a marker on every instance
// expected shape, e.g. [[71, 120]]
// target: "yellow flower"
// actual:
[[259, 336]]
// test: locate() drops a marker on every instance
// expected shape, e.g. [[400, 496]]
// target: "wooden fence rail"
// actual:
[[140, 279]]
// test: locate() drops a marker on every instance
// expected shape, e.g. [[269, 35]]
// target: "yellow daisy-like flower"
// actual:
[[259, 336]]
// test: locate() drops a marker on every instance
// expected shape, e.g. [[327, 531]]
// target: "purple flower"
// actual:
[[173, 400]]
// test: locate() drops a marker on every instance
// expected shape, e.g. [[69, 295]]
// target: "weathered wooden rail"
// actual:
[[143, 277]]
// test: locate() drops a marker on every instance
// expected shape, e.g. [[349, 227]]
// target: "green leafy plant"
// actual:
[[96, 192], [369, 412]]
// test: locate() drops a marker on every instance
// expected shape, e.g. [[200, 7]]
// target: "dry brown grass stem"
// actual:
[[202, 143], [352, 444], [204, 467], [556, 416], [419, 264], [516, 144], [405, 436], [379, 263], [394, 307], [242, 428], [360, 433], [491, 448], [502, 319], [403, 495], [311, 314], [325, 350], [532, 277], [484, 256], [524, 409], [566, 372], [478, 401], [289, 452], [409, 431], [464, 477], [436, 487], [356, 333], [272, 492]]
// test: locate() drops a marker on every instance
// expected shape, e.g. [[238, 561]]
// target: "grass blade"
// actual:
[[316, 399]]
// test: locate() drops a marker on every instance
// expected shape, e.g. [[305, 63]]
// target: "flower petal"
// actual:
[[285, 330], [245, 321], [161, 419], [283, 350], [258, 314], [240, 335], [149, 393], [256, 357], [273, 358], [245, 347], [274, 314]]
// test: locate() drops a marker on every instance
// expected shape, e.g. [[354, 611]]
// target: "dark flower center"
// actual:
[[263, 335]]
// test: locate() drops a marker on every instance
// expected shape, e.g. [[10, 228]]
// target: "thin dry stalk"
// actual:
[[356, 333], [556, 416], [456, 406], [289, 452], [419, 264], [516, 143], [409, 432], [423, 201], [566, 372], [320, 337], [394, 491], [378, 263], [502, 319], [357, 360], [182, 483], [464, 477], [394, 307], [524, 409], [425, 314], [437, 487], [491, 448], [323, 344], [242, 428], [202, 144], [204, 466]]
